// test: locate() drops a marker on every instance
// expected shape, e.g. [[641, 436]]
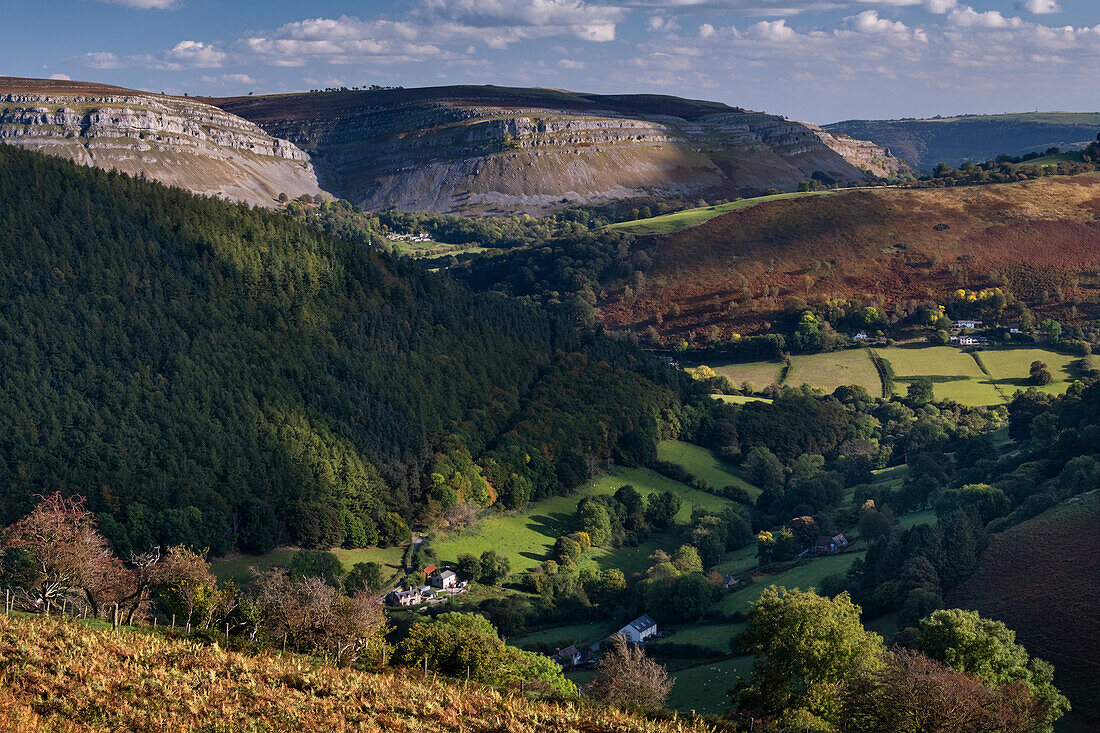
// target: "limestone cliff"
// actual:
[[863, 153], [486, 149], [177, 141]]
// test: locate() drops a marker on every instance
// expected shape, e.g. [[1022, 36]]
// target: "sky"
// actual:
[[816, 60]]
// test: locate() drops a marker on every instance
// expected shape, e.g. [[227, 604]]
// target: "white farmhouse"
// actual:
[[640, 629], [445, 580]]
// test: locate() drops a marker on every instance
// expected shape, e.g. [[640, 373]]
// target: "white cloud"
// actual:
[[143, 4], [571, 64], [968, 17], [662, 23], [773, 30], [502, 22], [60, 77], [932, 6], [706, 30], [100, 60], [197, 54], [869, 22], [1039, 7]]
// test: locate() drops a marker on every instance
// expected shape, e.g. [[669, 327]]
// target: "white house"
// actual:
[[640, 629], [405, 597], [445, 580], [967, 323]]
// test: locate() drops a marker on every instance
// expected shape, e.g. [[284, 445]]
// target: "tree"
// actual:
[[188, 587], [987, 501], [70, 559], [1039, 374], [494, 567], [459, 643], [661, 510], [469, 567], [625, 677], [257, 527], [806, 646], [315, 564], [567, 551], [764, 469], [595, 521], [987, 649], [1050, 331], [920, 391], [915, 694], [363, 576]]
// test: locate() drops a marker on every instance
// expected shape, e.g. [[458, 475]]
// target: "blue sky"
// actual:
[[819, 60]]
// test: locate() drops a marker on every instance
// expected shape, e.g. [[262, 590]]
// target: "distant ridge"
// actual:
[[924, 143], [480, 149]]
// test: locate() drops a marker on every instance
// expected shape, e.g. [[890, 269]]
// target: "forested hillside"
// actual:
[[219, 376]]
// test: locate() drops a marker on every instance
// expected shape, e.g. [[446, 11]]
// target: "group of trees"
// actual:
[[816, 668], [226, 377]]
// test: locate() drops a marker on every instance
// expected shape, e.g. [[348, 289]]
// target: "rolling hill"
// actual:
[[734, 273], [1039, 577], [174, 140], [63, 676], [952, 140], [480, 149], [221, 376]]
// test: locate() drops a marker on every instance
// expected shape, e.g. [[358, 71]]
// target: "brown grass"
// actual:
[[60, 675], [1040, 578], [1037, 235]]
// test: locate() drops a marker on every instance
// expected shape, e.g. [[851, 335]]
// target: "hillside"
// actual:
[[489, 149], [177, 141], [222, 376], [734, 273], [63, 676], [1039, 577], [952, 140]]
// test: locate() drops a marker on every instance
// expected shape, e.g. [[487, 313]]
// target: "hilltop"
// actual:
[[952, 140], [735, 273], [63, 676], [485, 149], [174, 140]]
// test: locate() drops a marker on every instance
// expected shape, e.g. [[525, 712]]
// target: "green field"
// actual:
[[237, 567], [804, 576], [738, 561], [705, 688], [580, 635], [970, 386], [912, 519], [526, 538], [714, 636], [736, 399], [679, 220], [757, 373], [1010, 368], [835, 369], [702, 463]]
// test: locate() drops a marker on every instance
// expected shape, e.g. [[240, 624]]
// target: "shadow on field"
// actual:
[[552, 525]]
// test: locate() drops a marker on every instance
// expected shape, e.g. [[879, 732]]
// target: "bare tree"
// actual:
[[72, 561], [627, 678], [915, 694]]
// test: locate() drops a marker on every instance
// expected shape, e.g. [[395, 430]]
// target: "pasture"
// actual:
[[704, 688], [736, 399], [703, 463], [680, 220], [237, 567], [808, 575], [954, 373], [1010, 368], [835, 369], [527, 537], [757, 373]]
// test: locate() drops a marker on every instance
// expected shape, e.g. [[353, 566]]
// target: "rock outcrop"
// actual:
[[176, 141], [864, 154], [495, 149]]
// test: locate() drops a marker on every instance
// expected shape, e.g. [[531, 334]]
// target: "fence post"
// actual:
[[425, 665], [173, 622]]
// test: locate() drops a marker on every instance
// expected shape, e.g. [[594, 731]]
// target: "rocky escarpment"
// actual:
[[176, 141], [872, 158], [485, 149]]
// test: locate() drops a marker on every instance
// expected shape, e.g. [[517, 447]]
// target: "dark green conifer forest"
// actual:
[[224, 377]]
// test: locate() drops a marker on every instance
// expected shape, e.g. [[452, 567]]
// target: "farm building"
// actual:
[[404, 597], [967, 323], [571, 656], [445, 580], [640, 629], [430, 571], [829, 545]]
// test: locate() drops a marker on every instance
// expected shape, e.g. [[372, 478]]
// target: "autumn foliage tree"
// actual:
[[67, 559], [625, 677]]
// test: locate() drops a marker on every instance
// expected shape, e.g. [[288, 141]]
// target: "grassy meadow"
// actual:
[[527, 537], [955, 374], [703, 463], [680, 220], [835, 369]]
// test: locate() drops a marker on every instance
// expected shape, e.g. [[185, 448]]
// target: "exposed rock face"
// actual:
[[179, 142], [485, 149], [863, 153]]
